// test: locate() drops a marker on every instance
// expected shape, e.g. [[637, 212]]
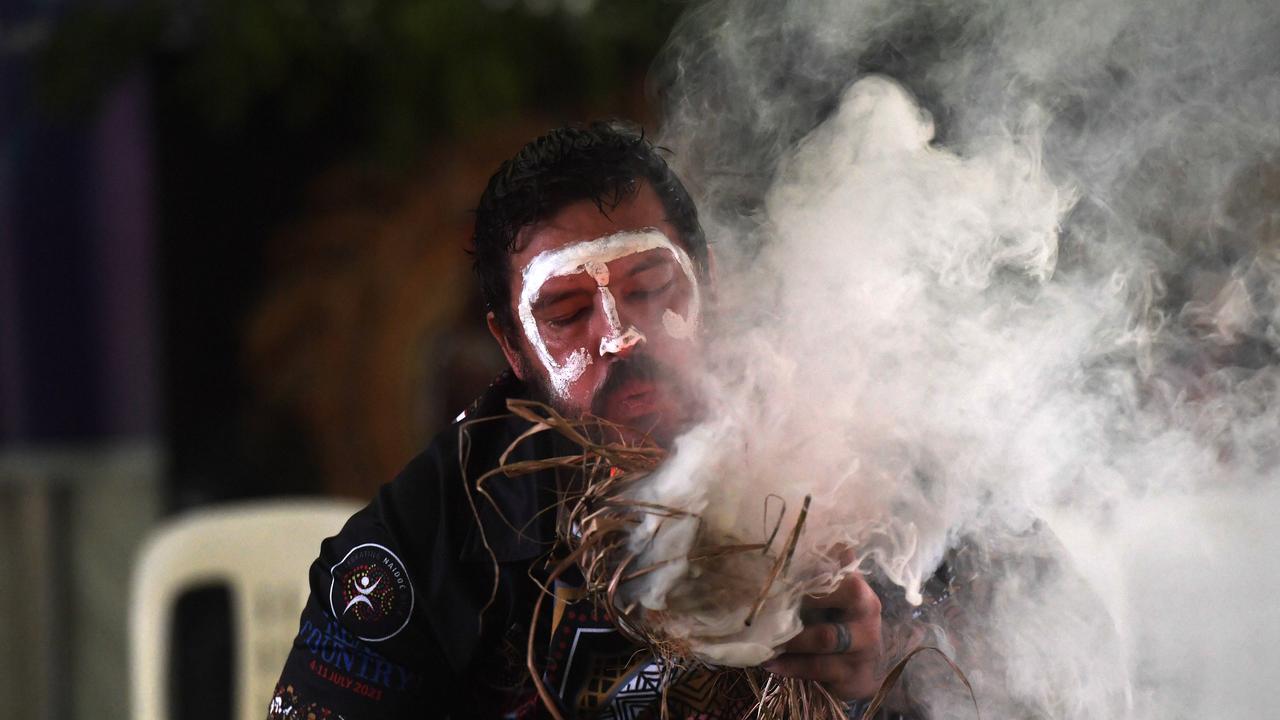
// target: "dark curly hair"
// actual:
[[601, 162]]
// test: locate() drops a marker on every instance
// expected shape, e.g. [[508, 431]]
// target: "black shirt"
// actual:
[[393, 625], [405, 619]]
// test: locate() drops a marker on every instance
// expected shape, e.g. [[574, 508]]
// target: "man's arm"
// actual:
[[368, 644]]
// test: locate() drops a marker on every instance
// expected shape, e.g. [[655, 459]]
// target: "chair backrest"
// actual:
[[261, 552]]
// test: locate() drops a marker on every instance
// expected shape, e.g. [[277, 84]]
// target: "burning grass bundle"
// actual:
[[716, 585]]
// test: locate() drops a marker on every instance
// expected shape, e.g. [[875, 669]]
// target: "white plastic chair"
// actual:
[[261, 552]]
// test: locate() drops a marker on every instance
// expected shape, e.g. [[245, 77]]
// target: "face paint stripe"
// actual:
[[592, 256], [676, 326], [610, 311]]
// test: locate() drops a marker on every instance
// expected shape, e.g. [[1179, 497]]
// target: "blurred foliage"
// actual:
[[392, 73]]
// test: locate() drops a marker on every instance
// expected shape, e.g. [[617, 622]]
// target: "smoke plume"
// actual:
[[998, 285]]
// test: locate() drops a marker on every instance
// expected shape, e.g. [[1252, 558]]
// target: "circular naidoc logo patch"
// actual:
[[370, 593]]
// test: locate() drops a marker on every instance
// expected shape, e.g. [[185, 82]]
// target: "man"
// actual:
[[594, 269]]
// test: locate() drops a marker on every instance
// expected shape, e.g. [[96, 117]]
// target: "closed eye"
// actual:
[[646, 294], [566, 320]]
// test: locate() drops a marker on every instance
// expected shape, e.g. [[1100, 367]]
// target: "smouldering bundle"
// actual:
[[718, 584]]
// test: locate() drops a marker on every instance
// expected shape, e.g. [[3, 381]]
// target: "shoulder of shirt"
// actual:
[[493, 401], [485, 437], [440, 459], [480, 436]]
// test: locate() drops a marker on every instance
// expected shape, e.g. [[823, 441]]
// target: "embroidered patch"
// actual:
[[370, 593]]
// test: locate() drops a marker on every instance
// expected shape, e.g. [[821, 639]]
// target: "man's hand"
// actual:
[[840, 644]]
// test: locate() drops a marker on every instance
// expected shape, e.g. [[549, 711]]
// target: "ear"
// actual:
[[508, 350]]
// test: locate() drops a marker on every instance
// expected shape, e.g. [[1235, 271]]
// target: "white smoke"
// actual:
[[1000, 279]]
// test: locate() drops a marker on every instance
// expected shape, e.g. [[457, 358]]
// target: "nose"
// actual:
[[614, 340], [621, 344]]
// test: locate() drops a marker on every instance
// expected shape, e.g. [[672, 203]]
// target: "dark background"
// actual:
[[232, 266], [238, 227]]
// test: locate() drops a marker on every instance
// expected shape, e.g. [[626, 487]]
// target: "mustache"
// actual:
[[634, 367]]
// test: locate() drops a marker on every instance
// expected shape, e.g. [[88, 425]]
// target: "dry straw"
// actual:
[[596, 514]]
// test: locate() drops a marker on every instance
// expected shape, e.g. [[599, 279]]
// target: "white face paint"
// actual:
[[592, 257]]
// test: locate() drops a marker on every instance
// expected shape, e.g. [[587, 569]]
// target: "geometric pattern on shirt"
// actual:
[[598, 673]]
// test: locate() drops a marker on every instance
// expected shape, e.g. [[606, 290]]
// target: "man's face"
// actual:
[[606, 309]]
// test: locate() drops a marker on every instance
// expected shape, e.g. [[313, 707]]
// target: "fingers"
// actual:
[[845, 677], [823, 668], [860, 638], [852, 599], [840, 645], [822, 638]]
